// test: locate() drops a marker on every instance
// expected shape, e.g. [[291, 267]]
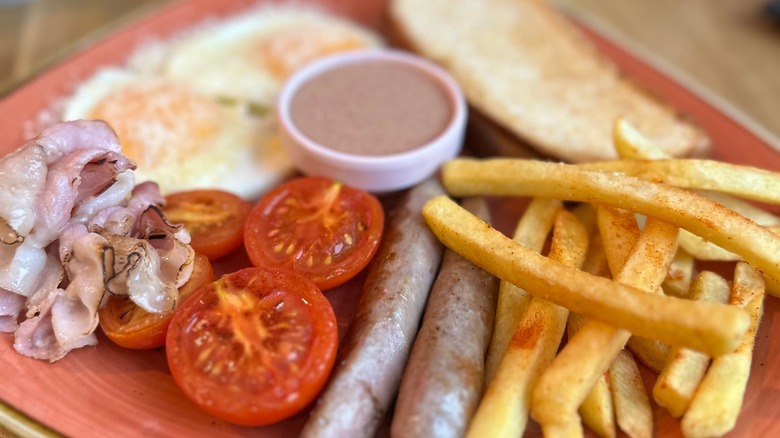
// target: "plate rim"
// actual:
[[18, 422]]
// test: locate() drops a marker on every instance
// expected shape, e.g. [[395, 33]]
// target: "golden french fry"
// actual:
[[597, 410], [678, 279], [705, 250], [596, 260], [718, 400], [743, 181], [589, 353], [695, 213], [631, 144], [619, 232], [646, 160], [651, 352], [702, 249], [758, 215], [632, 406], [685, 368], [709, 327], [503, 410], [531, 232]]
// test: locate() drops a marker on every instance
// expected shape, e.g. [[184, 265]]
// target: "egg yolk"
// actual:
[[159, 121], [288, 49]]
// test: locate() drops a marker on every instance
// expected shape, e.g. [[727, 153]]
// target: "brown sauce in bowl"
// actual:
[[372, 108]]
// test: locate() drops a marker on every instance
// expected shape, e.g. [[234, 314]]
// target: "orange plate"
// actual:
[[109, 391]]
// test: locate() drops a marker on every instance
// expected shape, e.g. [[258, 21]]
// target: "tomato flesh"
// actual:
[[130, 326], [315, 226], [214, 219], [254, 347]]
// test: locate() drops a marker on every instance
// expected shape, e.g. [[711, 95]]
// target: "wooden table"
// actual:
[[726, 49]]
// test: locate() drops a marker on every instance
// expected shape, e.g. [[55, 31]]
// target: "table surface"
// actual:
[[727, 48]]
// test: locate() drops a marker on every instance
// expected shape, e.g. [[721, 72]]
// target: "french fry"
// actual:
[[743, 181], [597, 410], [678, 280], [758, 215], [650, 352], [503, 411], [596, 260], [631, 144], [531, 232], [619, 232], [702, 249], [685, 368], [715, 328], [632, 406], [695, 213], [588, 355], [718, 400]]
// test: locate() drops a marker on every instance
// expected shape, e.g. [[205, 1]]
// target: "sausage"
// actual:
[[444, 379], [369, 367]]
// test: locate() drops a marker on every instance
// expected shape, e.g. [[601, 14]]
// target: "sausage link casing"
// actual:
[[369, 366], [444, 379]]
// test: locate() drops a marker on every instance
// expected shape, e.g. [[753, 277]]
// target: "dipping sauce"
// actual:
[[372, 108]]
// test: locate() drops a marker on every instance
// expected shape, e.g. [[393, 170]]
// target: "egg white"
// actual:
[[248, 57], [196, 111], [180, 138]]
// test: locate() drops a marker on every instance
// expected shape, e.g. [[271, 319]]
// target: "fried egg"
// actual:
[[180, 138], [247, 58], [196, 111]]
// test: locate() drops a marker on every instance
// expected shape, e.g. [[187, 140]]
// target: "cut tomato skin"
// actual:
[[214, 219], [130, 326], [315, 226], [254, 347]]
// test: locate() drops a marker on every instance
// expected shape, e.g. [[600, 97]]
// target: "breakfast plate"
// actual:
[[110, 391]]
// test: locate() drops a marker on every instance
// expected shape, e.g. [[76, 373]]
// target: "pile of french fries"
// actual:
[[619, 282]]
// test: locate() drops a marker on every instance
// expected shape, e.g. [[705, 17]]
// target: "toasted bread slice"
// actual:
[[533, 72]]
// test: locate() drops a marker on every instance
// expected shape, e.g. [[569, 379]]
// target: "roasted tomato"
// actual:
[[132, 327], [254, 347], [214, 219], [323, 229]]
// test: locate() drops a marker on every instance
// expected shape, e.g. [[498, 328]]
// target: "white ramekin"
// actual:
[[373, 173]]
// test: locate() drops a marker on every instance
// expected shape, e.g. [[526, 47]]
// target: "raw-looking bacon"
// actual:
[[76, 177], [114, 195], [171, 242], [74, 313], [39, 186], [20, 266], [25, 171], [64, 138], [23, 177], [35, 335], [11, 306], [123, 219], [74, 226]]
